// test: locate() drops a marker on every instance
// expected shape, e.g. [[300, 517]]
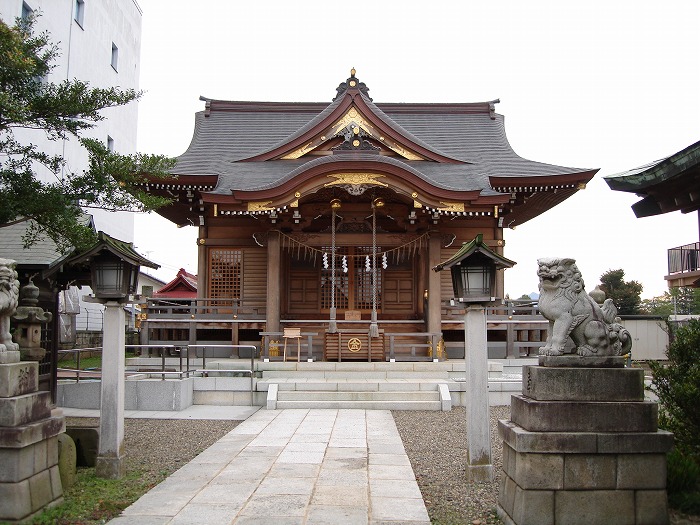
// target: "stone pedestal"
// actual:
[[583, 447], [110, 454], [29, 476], [479, 467]]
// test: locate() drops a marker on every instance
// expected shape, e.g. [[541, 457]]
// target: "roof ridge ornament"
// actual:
[[351, 83]]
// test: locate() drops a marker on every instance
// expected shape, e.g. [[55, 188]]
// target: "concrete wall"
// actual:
[[143, 394], [649, 338]]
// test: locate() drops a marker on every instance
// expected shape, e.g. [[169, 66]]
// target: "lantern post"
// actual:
[[114, 268], [473, 270]]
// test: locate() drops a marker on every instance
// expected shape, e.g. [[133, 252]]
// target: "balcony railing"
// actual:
[[684, 258]]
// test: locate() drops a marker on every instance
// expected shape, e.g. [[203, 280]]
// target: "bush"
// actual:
[[677, 385]]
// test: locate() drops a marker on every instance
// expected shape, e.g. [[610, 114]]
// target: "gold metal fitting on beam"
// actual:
[[378, 203], [336, 204]]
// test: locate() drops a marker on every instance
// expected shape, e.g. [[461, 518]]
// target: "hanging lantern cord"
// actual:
[[332, 324], [374, 327]]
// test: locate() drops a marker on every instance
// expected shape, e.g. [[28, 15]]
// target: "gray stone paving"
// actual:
[[296, 467]]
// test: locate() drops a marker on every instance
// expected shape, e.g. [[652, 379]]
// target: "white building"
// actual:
[[99, 42]]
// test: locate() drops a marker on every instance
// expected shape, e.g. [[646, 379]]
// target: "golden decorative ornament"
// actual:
[[452, 206], [299, 152], [336, 204], [353, 83], [354, 345], [414, 195], [260, 206], [297, 194], [378, 203], [352, 72], [356, 143], [294, 204], [202, 241], [417, 204], [356, 179]]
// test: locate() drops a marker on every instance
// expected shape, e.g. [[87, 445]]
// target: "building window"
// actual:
[[26, 11], [110, 143], [115, 56], [225, 276], [79, 12]]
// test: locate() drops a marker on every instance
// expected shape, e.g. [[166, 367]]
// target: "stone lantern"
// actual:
[[473, 270], [114, 267], [28, 320]]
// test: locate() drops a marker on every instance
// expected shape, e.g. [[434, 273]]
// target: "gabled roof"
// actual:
[[442, 150], [106, 243], [475, 246], [40, 255], [183, 286], [670, 184]]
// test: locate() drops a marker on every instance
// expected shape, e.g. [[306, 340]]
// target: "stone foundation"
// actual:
[[583, 447], [29, 476]]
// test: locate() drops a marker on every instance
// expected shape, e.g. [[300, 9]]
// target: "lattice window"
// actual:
[[342, 282], [225, 275], [363, 278]]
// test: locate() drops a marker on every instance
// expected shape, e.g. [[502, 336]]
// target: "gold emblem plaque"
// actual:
[[354, 345]]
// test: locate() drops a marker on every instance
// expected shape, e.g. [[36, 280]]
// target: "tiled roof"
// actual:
[[40, 255], [225, 137]]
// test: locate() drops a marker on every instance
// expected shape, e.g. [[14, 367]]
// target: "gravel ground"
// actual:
[[434, 442]]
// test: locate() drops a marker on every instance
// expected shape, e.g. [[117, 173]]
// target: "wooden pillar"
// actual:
[[500, 281], [272, 313], [434, 299], [202, 265]]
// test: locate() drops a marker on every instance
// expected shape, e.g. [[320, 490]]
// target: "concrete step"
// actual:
[[437, 398], [366, 405], [297, 395], [349, 385]]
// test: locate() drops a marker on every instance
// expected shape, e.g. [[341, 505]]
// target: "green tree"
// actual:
[[625, 294], [677, 385], [683, 300], [64, 110]]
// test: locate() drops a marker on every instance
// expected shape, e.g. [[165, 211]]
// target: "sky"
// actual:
[[595, 84]]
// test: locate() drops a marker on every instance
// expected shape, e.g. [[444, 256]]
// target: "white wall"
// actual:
[[85, 53], [649, 338]]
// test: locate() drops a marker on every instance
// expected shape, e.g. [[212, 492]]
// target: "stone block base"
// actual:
[[583, 478], [21, 500]]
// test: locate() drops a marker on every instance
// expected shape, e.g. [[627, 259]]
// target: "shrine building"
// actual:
[[331, 215]]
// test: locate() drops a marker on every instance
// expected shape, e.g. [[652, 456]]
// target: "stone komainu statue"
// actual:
[[573, 313], [9, 295]]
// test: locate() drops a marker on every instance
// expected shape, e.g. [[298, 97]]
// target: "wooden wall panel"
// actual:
[[399, 293], [254, 276]]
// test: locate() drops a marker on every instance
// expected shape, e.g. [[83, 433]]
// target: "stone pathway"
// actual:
[[289, 467]]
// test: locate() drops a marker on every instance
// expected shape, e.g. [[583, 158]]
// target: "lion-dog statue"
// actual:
[[573, 313], [9, 296]]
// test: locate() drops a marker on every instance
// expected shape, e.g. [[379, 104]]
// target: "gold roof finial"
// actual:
[[352, 72]]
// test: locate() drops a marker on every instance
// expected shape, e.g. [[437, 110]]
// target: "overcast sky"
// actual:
[[597, 84]]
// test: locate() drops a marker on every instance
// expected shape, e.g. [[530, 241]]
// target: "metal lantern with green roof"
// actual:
[[114, 267], [473, 270]]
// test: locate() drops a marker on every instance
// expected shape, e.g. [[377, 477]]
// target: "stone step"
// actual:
[[297, 395], [349, 374], [350, 385], [365, 405]]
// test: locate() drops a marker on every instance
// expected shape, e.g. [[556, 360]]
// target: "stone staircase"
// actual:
[[348, 384], [390, 386]]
